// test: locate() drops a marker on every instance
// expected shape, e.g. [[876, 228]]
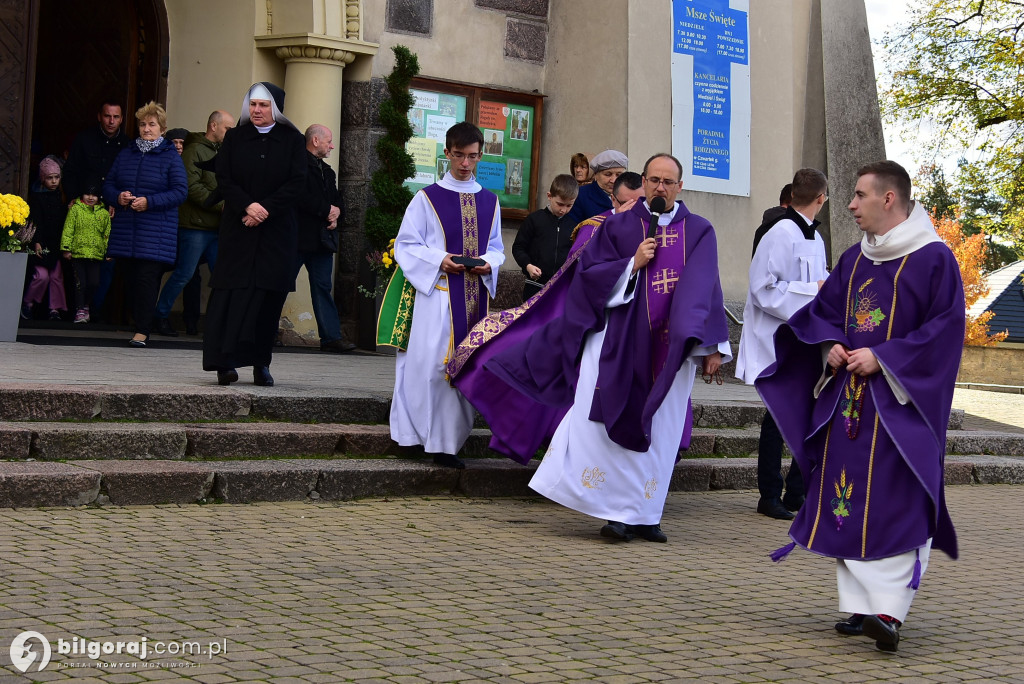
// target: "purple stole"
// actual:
[[459, 214], [660, 277]]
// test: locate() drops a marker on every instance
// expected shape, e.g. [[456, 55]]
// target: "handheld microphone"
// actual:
[[658, 207]]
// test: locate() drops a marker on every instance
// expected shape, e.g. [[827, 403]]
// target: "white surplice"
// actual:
[[784, 275], [425, 409], [880, 587], [583, 469]]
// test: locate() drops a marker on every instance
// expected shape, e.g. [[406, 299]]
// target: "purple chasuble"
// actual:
[[585, 230], [873, 467], [519, 425], [544, 367], [459, 214]]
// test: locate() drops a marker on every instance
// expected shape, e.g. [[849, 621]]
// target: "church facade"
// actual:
[[566, 76]]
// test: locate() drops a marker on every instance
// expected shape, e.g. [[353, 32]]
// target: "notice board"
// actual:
[[511, 125]]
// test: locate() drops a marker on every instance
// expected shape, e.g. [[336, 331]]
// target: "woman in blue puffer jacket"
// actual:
[[147, 183]]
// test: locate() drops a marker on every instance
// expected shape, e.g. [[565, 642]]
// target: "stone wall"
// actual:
[[357, 157], [1000, 365]]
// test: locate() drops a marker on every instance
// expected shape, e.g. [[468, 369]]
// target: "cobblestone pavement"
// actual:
[[445, 590], [987, 410]]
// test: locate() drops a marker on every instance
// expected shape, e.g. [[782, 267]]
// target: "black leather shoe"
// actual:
[[885, 633], [449, 461], [617, 530], [773, 508], [164, 327], [227, 377], [137, 343], [261, 376], [851, 626], [191, 328], [793, 503], [651, 533], [341, 346]]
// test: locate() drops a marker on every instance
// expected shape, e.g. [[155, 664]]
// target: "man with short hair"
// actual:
[[198, 221], [89, 160], [787, 270], [641, 315], [861, 391], [595, 197], [785, 198], [93, 151], [449, 250], [318, 211]]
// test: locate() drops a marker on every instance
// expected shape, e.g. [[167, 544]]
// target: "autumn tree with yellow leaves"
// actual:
[[970, 256]]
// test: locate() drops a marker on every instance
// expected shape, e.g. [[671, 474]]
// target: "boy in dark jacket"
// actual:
[[544, 239]]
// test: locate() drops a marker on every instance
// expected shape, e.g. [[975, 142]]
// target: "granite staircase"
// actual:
[[77, 445]]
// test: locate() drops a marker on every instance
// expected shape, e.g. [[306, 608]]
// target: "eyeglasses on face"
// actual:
[[655, 181], [459, 156]]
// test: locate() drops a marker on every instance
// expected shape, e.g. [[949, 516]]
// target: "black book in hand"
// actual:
[[468, 261]]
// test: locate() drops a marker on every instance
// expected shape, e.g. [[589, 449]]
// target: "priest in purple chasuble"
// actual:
[[641, 314], [861, 390], [454, 217], [519, 425]]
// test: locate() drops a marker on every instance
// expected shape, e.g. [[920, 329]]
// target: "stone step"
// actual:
[[56, 441], [24, 402], [81, 482]]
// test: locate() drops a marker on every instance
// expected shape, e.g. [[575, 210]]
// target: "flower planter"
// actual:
[[12, 286]]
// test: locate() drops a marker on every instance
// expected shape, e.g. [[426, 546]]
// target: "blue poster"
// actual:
[[709, 42], [491, 175]]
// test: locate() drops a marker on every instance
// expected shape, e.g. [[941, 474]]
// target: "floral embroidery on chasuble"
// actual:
[[855, 508]]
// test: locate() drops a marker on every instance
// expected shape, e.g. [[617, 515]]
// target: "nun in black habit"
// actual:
[[261, 170]]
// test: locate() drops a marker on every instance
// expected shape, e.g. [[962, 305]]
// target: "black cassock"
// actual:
[[254, 271]]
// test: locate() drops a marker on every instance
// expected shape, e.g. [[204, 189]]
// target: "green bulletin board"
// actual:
[[431, 116], [508, 149], [508, 130]]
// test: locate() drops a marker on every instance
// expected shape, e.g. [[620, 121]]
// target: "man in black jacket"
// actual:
[[318, 211], [93, 151], [89, 160]]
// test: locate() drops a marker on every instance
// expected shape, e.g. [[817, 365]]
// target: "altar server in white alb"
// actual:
[[786, 272], [453, 218]]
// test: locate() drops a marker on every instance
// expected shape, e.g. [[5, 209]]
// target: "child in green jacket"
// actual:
[[84, 242]]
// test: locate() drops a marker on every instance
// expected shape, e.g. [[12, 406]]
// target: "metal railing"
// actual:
[[732, 317]]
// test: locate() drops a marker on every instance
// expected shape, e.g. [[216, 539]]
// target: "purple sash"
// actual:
[[661, 276], [466, 219]]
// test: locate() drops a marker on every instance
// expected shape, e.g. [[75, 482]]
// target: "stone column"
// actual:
[[312, 83], [853, 125], [313, 77]]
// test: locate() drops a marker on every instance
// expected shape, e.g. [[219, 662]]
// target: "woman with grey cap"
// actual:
[[596, 197], [261, 170]]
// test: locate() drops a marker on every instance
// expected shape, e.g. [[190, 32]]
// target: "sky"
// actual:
[[882, 16]]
